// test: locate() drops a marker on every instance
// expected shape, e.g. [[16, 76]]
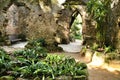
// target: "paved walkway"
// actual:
[[19, 45], [72, 47]]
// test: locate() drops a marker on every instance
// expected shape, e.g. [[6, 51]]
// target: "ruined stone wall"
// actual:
[[63, 23], [3, 22], [3, 35], [44, 21], [88, 26], [36, 19], [47, 19]]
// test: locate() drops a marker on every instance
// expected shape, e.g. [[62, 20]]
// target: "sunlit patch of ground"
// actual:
[[98, 73]]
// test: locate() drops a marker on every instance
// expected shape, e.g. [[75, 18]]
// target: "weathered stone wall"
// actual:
[[47, 19], [3, 35], [36, 19], [3, 22], [12, 17], [50, 20], [88, 26], [63, 23]]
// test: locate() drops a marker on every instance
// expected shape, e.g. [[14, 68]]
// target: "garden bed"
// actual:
[[36, 64]]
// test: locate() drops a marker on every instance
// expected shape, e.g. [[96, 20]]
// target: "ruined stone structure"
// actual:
[[38, 19], [51, 19]]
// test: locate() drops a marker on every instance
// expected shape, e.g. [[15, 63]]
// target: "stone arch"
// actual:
[[75, 15], [14, 24], [88, 26]]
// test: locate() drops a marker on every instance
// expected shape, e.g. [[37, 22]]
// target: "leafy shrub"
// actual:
[[112, 56], [36, 43], [4, 61], [66, 66], [30, 64], [38, 52], [41, 42]]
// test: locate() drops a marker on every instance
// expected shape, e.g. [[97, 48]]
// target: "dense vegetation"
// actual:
[[35, 64], [41, 42], [98, 10]]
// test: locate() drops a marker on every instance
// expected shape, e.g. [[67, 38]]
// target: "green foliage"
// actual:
[[66, 66], [108, 49], [112, 56], [41, 43], [95, 46], [36, 63], [36, 43], [34, 53], [7, 78], [99, 9], [28, 64], [4, 61], [104, 49], [75, 29]]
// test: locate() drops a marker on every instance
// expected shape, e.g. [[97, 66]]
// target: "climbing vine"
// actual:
[[98, 9]]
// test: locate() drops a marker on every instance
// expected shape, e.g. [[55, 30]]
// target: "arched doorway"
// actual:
[[76, 27], [75, 34], [14, 28], [12, 25]]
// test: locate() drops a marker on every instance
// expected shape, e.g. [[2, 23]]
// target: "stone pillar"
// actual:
[[88, 26], [63, 23], [4, 4]]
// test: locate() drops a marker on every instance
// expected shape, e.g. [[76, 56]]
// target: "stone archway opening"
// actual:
[[75, 34], [13, 28], [76, 27], [12, 25]]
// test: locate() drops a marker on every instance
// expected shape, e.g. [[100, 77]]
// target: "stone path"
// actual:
[[72, 46], [14, 47], [19, 45]]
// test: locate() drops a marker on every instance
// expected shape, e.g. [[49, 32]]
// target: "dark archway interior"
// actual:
[[119, 24]]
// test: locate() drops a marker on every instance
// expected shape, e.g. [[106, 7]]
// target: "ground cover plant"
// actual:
[[35, 64]]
